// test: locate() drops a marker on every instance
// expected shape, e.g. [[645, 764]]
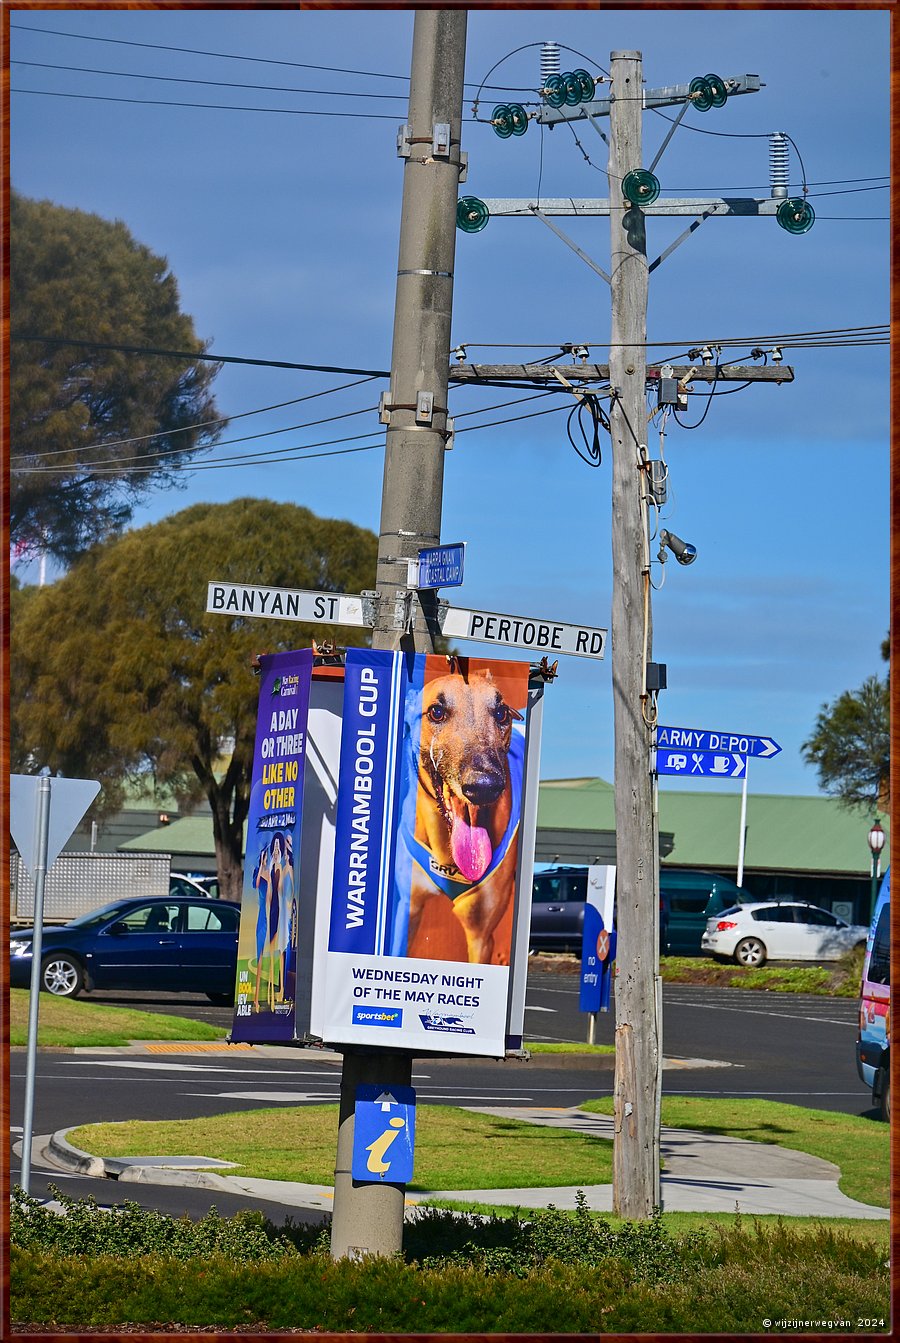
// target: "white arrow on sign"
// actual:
[[767, 747], [385, 1100]]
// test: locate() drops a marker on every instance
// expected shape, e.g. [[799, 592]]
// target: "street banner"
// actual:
[[597, 940], [265, 993], [426, 849]]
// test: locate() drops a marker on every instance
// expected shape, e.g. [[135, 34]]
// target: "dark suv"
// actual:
[[686, 900]]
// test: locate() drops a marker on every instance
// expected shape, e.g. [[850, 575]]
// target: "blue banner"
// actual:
[[374, 688], [267, 942]]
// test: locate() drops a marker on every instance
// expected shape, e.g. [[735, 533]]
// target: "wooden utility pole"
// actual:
[[368, 1217], [638, 1044]]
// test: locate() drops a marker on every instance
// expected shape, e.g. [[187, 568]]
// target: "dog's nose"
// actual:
[[483, 788]]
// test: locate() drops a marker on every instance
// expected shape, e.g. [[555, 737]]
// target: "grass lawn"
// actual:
[[860, 1147], [73, 1023], [455, 1149], [567, 1047]]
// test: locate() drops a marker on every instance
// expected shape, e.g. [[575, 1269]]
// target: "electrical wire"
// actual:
[[208, 83], [192, 355], [225, 55], [212, 107], [204, 424]]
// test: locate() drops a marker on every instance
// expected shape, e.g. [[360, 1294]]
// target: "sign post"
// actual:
[[39, 830], [700, 752]]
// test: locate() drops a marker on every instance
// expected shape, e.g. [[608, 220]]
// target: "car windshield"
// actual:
[[96, 916]]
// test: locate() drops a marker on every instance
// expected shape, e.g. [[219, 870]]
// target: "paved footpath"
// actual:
[[702, 1173]]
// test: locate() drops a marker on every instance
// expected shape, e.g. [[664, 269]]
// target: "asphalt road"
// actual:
[[717, 1042]]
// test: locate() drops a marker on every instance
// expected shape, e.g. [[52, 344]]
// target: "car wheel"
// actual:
[[884, 1099], [62, 975], [750, 951], [221, 999]]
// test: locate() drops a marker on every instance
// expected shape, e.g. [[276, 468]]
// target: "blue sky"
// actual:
[[282, 231]]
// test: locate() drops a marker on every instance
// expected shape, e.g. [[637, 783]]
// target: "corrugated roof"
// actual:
[[793, 834], [798, 834]]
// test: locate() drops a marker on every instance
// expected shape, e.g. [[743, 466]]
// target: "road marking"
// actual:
[[532, 1007], [196, 1068], [294, 1097], [750, 1012]]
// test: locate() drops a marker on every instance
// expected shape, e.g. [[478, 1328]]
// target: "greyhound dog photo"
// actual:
[[468, 801]]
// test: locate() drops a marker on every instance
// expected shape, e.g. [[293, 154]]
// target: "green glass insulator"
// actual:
[[796, 215], [704, 99], [640, 187], [501, 120], [518, 118], [572, 87], [472, 214], [718, 91], [555, 91], [588, 87]]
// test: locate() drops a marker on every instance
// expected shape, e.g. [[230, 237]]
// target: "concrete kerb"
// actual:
[[704, 1173]]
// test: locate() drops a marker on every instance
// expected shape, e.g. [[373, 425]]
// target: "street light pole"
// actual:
[[876, 844]]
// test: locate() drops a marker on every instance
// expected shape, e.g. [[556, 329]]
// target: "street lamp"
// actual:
[[876, 844]]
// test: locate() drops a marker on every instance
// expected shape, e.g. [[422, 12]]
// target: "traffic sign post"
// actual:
[[692, 752], [43, 812]]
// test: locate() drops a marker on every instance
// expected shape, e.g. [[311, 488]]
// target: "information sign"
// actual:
[[384, 1132]]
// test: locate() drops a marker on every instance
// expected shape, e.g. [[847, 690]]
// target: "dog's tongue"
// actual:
[[471, 846]]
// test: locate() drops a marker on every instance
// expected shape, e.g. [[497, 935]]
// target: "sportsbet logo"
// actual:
[[377, 1016]]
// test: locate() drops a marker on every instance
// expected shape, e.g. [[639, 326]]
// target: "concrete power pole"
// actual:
[[368, 1218], [638, 1044]]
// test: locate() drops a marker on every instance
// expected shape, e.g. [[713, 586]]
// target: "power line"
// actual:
[[205, 424], [230, 56], [192, 355], [209, 83], [212, 107]]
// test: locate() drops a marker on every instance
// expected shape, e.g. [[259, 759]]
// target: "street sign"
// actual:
[[700, 739], [69, 800], [438, 566], [243, 599], [700, 764], [545, 637], [384, 1131], [540, 636]]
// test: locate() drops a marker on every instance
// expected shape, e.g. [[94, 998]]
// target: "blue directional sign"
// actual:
[[384, 1133], [701, 739], [700, 764], [441, 566]]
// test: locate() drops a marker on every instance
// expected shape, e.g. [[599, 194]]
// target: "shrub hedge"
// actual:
[[554, 1273]]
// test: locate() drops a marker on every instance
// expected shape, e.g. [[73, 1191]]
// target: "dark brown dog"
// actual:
[[463, 818]]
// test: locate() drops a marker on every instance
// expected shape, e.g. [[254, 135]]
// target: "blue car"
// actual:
[[169, 944]]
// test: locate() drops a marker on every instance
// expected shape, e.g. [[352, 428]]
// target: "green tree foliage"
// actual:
[[850, 745], [118, 673], [74, 480]]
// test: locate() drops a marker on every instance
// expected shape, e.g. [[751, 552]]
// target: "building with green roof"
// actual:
[[809, 847]]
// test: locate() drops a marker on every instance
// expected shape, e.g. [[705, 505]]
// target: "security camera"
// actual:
[[683, 551]]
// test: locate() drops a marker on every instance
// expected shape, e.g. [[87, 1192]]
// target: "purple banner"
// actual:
[[267, 944]]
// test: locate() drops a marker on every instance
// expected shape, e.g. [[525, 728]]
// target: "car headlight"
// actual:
[[19, 948]]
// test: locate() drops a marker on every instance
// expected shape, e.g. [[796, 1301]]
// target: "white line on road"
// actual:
[[750, 1012]]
